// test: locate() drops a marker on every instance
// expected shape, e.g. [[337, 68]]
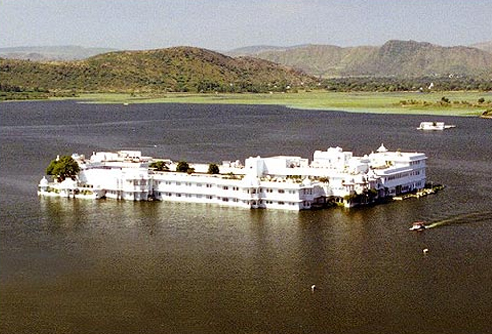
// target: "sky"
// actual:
[[227, 24]]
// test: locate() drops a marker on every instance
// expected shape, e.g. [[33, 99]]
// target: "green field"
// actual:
[[459, 103]]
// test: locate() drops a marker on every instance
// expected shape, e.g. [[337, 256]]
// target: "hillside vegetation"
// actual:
[[394, 58], [179, 69], [395, 66]]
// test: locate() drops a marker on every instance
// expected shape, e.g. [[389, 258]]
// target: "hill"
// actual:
[[256, 49], [393, 59], [320, 60], [47, 53], [177, 69], [485, 46]]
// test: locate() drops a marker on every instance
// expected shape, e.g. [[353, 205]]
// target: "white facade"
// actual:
[[434, 126], [281, 182]]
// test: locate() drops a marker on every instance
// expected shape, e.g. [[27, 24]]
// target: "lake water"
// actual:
[[80, 266]]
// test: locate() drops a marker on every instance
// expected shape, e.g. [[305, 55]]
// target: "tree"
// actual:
[[213, 169], [184, 167], [159, 166], [63, 167]]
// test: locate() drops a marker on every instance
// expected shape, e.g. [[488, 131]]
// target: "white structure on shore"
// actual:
[[280, 182]]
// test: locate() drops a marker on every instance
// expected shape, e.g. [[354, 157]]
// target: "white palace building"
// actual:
[[280, 182]]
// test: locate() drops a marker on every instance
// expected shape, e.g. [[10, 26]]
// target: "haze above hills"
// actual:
[[47, 53]]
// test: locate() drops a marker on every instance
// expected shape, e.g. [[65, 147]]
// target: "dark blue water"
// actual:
[[76, 266]]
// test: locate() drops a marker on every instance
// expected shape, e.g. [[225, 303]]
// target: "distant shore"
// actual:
[[470, 104], [451, 103]]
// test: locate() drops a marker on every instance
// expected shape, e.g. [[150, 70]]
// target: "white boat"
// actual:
[[434, 126], [418, 226]]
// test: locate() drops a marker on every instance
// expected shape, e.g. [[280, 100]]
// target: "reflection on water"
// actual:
[[81, 266]]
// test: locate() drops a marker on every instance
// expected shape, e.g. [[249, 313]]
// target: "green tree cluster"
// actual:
[[213, 169], [160, 166], [184, 167], [62, 168]]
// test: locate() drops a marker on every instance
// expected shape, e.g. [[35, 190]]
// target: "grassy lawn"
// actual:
[[461, 103]]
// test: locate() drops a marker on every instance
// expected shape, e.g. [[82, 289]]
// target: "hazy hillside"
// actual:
[[394, 58], [320, 60], [485, 46], [253, 50], [47, 53], [173, 69]]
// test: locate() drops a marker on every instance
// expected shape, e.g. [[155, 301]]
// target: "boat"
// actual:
[[434, 126], [418, 226]]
